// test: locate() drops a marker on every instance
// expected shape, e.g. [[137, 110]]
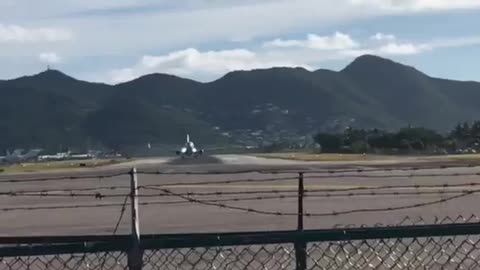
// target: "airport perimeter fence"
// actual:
[[449, 243], [453, 246]]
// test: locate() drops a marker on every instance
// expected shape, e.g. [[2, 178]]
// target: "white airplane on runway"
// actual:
[[17, 156], [189, 150]]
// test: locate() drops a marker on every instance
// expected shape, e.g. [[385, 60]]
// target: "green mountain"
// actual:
[[53, 110]]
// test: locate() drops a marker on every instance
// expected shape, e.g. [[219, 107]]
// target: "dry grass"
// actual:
[[56, 165], [322, 157], [465, 157]]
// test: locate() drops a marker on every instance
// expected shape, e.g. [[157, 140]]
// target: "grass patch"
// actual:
[[56, 165], [475, 157], [321, 157]]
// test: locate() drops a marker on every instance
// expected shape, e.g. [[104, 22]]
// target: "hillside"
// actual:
[[54, 110]]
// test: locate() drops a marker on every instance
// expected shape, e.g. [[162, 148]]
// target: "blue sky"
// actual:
[[117, 40]]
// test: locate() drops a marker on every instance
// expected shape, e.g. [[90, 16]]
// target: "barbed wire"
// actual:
[[330, 174], [72, 189], [233, 181], [262, 198], [274, 179], [122, 212], [396, 168], [334, 213], [367, 190], [96, 195], [416, 186], [43, 179], [235, 199], [217, 203], [223, 193], [78, 206], [71, 192], [326, 171], [392, 175], [385, 209], [219, 193], [58, 207], [258, 198], [414, 193]]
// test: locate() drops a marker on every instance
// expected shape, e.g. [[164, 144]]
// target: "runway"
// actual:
[[230, 204]]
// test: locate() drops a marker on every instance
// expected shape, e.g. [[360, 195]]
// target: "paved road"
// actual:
[[167, 214]]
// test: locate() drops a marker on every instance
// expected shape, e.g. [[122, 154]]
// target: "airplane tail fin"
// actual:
[[188, 138], [17, 152], [8, 153], [33, 153]]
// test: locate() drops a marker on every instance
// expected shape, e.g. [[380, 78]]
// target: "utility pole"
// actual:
[[135, 255], [300, 245]]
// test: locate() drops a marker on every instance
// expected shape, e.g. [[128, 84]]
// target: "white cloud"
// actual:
[[337, 41], [16, 33], [419, 5], [190, 62], [208, 65], [399, 49], [383, 37], [409, 48], [49, 58], [101, 27], [456, 42]]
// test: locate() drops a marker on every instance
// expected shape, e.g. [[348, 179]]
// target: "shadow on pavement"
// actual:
[[198, 160]]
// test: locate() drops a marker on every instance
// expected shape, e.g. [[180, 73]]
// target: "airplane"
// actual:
[[189, 150], [10, 156], [17, 156]]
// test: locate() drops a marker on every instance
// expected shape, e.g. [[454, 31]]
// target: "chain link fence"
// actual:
[[405, 253], [100, 260], [402, 253], [447, 244]]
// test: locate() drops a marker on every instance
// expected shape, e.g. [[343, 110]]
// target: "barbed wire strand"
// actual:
[[416, 186], [122, 212], [387, 209], [439, 192], [222, 193], [326, 171], [57, 207], [96, 195], [260, 198], [265, 212], [296, 171], [251, 180], [44, 179], [367, 191], [392, 175], [244, 209], [234, 181], [99, 195]]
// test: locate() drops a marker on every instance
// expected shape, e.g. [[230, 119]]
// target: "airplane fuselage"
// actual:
[[189, 149]]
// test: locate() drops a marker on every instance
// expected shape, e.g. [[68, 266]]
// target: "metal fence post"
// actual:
[[300, 245], [135, 254]]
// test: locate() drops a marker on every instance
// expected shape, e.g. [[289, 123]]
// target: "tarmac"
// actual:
[[168, 203]]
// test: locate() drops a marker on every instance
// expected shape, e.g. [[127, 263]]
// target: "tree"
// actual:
[[329, 142]]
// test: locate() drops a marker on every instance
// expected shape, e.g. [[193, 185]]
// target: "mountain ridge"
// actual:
[[362, 57], [272, 104]]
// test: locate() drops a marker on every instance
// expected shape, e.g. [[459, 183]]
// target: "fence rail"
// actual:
[[324, 248]]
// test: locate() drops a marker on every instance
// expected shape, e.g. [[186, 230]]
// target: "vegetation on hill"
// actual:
[[54, 111], [464, 137]]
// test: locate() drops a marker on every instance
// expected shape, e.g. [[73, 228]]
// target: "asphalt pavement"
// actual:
[[249, 198]]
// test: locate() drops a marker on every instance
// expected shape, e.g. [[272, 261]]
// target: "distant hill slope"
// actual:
[[51, 109]]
